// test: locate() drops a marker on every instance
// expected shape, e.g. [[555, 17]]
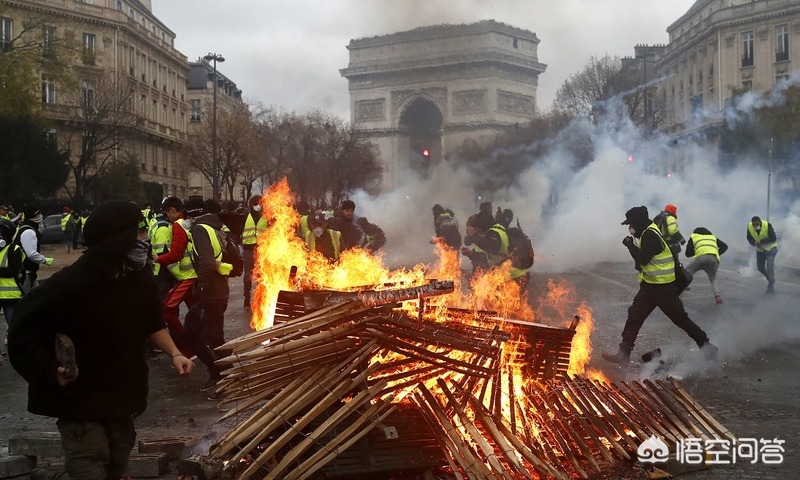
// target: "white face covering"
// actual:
[[187, 223], [758, 228], [256, 208], [631, 230], [318, 231], [137, 257]]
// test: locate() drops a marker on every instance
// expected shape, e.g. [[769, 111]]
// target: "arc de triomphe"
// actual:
[[417, 95]]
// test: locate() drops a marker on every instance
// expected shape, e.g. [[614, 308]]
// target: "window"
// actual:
[[155, 111], [781, 78], [89, 44], [194, 117], [87, 95], [120, 6], [48, 90], [87, 145], [6, 33], [747, 49], [52, 137], [88, 2], [781, 43], [747, 84], [48, 41]]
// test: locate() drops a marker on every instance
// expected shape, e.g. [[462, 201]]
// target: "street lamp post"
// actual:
[[214, 57]]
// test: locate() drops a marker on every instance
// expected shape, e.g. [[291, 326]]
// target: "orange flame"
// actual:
[[280, 248]]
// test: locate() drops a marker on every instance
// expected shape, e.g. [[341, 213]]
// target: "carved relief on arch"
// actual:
[[468, 102], [371, 110], [510, 102]]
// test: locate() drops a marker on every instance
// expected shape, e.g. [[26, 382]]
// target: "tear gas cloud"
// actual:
[[573, 213]]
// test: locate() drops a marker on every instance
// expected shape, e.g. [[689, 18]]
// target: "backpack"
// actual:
[[231, 253], [520, 248]]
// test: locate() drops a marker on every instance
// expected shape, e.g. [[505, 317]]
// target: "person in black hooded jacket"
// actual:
[[101, 386], [656, 265]]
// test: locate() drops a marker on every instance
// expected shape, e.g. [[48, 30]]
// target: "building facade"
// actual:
[[719, 47], [200, 94], [418, 95], [123, 51]]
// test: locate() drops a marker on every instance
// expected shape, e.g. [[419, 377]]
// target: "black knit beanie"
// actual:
[[113, 226]]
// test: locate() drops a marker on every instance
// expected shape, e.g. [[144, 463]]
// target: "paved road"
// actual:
[[752, 389]]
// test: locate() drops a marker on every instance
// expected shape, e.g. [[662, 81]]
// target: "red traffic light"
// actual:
[[426, 153]]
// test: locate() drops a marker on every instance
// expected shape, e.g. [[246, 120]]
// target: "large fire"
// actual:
[[280, 249]]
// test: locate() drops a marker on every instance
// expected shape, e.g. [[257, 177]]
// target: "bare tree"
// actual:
[[588, 92], [102, 120]]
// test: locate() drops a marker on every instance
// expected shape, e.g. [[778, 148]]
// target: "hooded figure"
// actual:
[[85, 365]]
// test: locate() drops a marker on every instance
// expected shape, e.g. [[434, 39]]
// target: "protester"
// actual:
[[655, 263], [761, 235], [85, 365], [30, 239]]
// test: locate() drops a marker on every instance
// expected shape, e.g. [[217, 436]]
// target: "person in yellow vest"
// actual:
[[11, 257], [178, 261], [761, 235], [83, 216], [212, 292], [322, 239], [303, 209], [667, 223], [67, 227], [161, 241], [706, 248], [656, 265], [254, 225], [4, 212]]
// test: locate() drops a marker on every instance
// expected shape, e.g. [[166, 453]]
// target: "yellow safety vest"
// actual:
[[304, 228], [252, 229], [160, 240], [336, 239], [184, 268], [661, 269], [64, 222], [9, 289], [761, 236], [501, 256], [222, 268], [705, 244]]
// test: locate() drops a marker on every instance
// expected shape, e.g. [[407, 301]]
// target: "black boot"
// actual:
[[622, 357]]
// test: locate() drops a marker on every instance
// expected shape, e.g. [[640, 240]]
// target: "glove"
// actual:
[[49, 260], [627, 241]]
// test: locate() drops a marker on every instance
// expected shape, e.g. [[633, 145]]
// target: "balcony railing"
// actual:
[[781, 56]]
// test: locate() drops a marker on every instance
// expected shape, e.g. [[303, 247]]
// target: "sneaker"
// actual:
[[709, 351], [622, 358], [65, 354], [215, 396], [718, 298], [770, 288], [211, 383]]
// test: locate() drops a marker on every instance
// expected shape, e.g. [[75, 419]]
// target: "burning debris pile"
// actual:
[[309, 395]]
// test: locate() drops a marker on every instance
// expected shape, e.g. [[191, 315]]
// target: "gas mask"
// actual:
[[137, 257], [318, 231]]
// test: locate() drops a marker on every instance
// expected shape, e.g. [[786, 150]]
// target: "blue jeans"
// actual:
[[765, 261]]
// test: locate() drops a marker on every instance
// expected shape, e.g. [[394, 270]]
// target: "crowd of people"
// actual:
[[143, 265], [655, 246]]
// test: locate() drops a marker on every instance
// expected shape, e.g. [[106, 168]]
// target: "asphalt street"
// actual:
[[752, 388]]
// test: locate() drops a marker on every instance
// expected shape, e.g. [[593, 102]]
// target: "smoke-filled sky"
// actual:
[[287, 54]]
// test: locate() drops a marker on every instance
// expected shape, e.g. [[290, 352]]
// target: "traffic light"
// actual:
[[426, 153]]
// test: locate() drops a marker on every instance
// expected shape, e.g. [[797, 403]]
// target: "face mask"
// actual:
[[632, 230], [256, 208], [187, 223], [318, 231], [137, 257], [758, 228]]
